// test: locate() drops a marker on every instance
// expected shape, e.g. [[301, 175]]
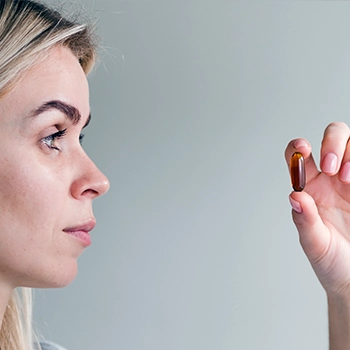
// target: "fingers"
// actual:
[[335, 152], [302, 146], [314, 236]]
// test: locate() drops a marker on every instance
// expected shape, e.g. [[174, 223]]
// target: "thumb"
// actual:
[[314, 236]]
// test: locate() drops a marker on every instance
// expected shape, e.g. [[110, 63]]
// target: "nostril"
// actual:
[[90, 191], [90, 182], [93, 189]]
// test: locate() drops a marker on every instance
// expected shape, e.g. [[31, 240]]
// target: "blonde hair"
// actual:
[[28, 30]]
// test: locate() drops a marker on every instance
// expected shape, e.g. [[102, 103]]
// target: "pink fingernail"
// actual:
[[345, 172], [295, 205], [329, 165]]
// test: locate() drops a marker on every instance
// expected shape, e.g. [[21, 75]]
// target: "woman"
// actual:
[[47, 182], [321, 214]]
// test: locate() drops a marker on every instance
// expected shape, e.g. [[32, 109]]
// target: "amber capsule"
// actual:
[[297, 171]]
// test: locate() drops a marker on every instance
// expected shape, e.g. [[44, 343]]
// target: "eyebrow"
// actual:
[[68, 110]]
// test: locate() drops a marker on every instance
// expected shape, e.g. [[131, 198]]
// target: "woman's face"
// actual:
[[47, 182]]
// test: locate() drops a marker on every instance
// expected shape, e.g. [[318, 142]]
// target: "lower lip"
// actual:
[[82, 236]]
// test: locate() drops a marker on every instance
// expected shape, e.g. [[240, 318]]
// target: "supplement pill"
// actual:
[[297, 171]]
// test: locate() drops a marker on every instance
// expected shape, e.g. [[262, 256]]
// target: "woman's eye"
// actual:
[[50, 140]]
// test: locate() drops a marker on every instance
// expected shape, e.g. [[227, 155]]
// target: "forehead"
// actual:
[[58, 76]]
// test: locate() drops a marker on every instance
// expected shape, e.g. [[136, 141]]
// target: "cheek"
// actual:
[[29, 196], [32, 204]]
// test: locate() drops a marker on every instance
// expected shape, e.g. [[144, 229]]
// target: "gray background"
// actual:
[[193, 103]]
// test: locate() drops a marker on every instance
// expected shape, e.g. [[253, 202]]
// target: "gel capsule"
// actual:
[[297, 171]]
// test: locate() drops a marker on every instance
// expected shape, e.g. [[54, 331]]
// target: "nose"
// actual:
[[89, 182]]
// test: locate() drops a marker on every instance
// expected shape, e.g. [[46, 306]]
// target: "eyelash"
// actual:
[[49, 140]]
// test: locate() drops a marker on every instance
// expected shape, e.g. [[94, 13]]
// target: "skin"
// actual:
[[321, 214], [46, 186]]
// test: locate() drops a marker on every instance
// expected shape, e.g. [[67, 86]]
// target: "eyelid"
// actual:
[[48, 140]]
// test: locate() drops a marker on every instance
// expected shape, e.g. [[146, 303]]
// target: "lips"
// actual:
[[82, 232]]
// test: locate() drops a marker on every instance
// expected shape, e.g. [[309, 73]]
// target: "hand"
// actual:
[[321, 212]]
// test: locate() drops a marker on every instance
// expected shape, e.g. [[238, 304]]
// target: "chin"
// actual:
[[64, 278]]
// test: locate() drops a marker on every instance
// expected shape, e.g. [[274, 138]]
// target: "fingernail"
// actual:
[[330, 163], [345, 172], [300, 143], [295, 205]]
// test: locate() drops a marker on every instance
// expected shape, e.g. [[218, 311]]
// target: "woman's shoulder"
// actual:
[[47, 345]]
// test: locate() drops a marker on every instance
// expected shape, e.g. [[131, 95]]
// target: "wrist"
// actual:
[[339, 321]]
